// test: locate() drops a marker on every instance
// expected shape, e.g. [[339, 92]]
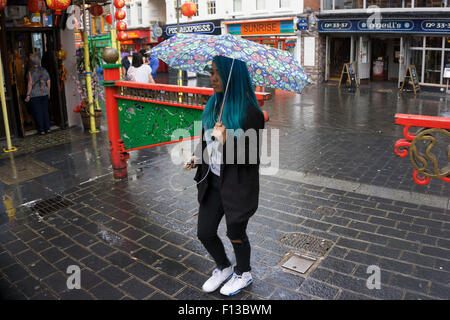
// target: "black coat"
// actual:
[[239, 177]]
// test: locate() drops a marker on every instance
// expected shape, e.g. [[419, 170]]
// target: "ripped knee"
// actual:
[[236, 241]]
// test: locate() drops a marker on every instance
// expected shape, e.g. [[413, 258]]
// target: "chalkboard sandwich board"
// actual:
[[411, 78], [348, 75]]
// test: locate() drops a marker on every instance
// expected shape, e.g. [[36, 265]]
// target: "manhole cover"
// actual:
[[47, 206], [326, 211], [299, 263], [306, 243]]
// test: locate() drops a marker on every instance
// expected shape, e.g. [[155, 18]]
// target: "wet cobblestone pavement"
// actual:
[[136, 238]]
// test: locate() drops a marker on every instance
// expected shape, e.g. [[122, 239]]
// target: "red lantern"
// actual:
[[120, 14], [122, 36], [109, 19], [2, 4], [119, 4], [58, 5], [36, 6], [188, 9], [121, 26], [96, 10]]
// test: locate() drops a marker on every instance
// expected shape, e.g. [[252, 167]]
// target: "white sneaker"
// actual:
[[236, 284], [217, 278]]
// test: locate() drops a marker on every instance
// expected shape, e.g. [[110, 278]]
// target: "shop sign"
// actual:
[[262, 27], [136, 34], [206, 27], [386, 26], [302, 24]]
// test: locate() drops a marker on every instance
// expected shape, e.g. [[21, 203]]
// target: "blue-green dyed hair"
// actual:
[[240, 96]]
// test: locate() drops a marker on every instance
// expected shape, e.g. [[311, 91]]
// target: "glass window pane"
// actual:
[[260, 4], [327, 5], [434, 42], [285, 3], [433, 66], [447, 42], [237, 5], [431, 3], [389, 3], [416, 60], [417, 42]]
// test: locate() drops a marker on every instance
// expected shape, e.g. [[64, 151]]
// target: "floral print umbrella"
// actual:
[[268, 67]]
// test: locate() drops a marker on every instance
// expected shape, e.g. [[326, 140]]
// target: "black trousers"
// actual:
[[209, 217], [39, 111]]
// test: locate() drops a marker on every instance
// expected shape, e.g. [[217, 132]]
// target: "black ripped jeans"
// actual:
[[209, 217]]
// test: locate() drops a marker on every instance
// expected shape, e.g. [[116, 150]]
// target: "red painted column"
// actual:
[[119, 157]]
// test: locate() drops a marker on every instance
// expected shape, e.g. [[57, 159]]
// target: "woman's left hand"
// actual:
[[219, 132]]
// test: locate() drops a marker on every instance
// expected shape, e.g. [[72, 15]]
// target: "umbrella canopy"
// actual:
[[268, 67]]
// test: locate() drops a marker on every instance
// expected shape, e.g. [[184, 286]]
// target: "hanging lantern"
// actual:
[[122, 36], [108, 19], [58, 5], [36, 6], [120, 14], [119, 4], [2, 4], [61, 54], [121, 26], [188, 9], [96, 10]]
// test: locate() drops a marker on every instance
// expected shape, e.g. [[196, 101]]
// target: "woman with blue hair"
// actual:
[[228, 171]]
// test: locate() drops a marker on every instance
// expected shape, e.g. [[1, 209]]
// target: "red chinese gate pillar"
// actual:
[[111, 73]]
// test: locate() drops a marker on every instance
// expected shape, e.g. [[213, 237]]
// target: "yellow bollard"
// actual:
[[9, 146], [87, 68]]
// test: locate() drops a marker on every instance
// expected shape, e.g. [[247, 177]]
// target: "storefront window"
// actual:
[[433, 66], [434, 42], [417, 42], [285, 3], [237, 5], [416, 60], [348, 4], [198, 9], [260, 4], [327, 5], [447, 59], [389, 3], [212, 7], [447, 42], [128, 14], [139, 8], [431, 3]]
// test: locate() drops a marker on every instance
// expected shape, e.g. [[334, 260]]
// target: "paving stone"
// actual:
[[166, 284], [173, 252], [318, 289], [283, 294], [57, 282], [142, 271], [29, 286], [338, 265], [94, 263], [170, 267], [194, 278], [409, 283], [28, 257], [113, 275], [105, 291], [77, 252], [42, 269], [120, 259], [147, 256], [136, 288]]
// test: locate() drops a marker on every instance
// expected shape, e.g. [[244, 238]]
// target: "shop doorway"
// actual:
[[22, 42], [385, 59], [339, 55]]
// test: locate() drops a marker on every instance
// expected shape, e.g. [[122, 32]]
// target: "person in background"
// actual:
[[138, 71], [38, 93], [146, 56], [125, 62], [154, 62]]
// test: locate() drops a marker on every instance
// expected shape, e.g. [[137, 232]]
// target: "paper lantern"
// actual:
[[58, 5], [2, 4], [122, 36], [109, 19], [120, 14], [121, 26], [188, 9], [119, 4], [61, 54], [36, 6], [96, 10]]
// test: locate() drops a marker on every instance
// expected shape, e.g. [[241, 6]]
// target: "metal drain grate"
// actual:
[[306, 243], [47, 206], [326, 211]]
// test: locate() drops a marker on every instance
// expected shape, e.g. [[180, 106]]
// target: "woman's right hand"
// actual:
[[191, 164]]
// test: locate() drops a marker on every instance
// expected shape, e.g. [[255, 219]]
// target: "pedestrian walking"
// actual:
[[139, 71], [38, 94], [153, 61], [225, 185]]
